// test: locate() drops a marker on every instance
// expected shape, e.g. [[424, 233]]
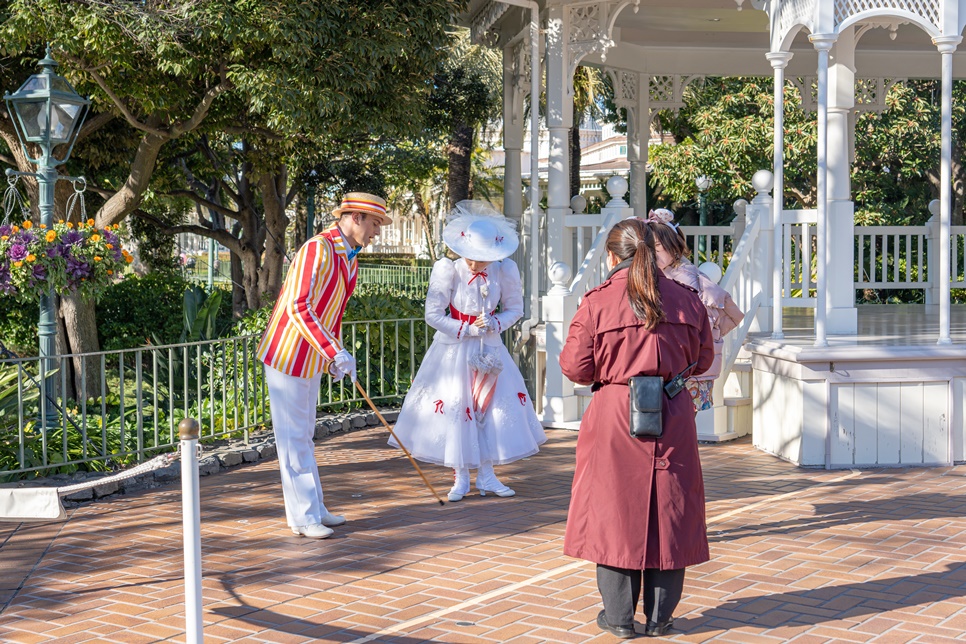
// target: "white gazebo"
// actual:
[[818, 380]]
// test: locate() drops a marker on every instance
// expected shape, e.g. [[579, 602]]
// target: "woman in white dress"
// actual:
[[454, 415]]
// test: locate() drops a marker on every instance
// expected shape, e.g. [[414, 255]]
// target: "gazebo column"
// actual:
[[822, 43], [638, 136], [513, 129], [947, 47], [779, 60], [840, 226], [559, 401]]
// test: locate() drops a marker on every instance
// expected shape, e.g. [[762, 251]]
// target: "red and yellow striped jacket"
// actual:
[[304, 332]]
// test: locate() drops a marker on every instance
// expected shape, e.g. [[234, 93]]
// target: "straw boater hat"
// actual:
[[364, 202], [476, 231]]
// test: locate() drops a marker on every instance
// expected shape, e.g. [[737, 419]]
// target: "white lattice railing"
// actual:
[[710, 244], [891, 257]]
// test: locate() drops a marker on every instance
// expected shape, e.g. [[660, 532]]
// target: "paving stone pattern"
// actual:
[[799, 556]]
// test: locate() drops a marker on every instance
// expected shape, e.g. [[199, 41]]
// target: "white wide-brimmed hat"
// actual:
[[476, 231]]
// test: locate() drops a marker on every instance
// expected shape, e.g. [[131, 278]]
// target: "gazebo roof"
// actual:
[[712, 37]]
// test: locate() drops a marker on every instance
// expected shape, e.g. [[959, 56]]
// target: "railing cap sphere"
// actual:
[[763, 181]]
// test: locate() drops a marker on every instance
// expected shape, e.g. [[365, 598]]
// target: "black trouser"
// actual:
[[620, 589]]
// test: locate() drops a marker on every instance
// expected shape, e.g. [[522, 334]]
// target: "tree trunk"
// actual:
[[460, 151], [424, 215], [81, 325], [575, 157], [273, 186]]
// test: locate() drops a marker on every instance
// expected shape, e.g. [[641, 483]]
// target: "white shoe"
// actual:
[[332, 520], [486, 481], [461, 485], [314, 531]]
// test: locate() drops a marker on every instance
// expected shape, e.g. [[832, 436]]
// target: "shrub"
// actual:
[[132, 311]]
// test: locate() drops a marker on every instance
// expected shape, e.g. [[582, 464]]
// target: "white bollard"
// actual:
[[188, 430]]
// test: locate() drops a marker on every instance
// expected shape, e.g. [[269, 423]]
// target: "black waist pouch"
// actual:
[[647, 395]]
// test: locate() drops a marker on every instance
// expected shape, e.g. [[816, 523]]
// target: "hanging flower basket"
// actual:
[[70, 259]]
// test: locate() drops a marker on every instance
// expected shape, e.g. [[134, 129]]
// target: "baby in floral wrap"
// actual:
[[672, 251]]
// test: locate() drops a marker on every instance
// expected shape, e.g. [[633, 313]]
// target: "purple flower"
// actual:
[[77, 268], [26, 237], [39, 272], [17, 252], [71, 238], [57, 250], [5, 230]]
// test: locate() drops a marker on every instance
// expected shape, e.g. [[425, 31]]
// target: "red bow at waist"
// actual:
[[463, 317]]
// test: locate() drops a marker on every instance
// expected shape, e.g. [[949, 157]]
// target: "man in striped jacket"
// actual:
[[303, 341]]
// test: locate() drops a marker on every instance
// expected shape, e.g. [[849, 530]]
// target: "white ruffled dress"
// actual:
[[437, 423]]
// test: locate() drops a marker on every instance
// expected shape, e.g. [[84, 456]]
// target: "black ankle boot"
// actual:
[[657, 629]]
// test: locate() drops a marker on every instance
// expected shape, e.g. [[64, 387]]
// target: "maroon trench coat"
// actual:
[[637, 502]]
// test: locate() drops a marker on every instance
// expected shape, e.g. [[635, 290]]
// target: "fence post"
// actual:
[[188, 430]]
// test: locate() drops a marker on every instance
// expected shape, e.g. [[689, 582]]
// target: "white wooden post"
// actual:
[[840, 231], [933, 293], [512, 135], [778, 61], [947, 46], [638, 137], [559, 401], [822, 43], [763, 253]]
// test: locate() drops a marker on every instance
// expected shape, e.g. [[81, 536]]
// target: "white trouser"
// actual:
[[293, 419]]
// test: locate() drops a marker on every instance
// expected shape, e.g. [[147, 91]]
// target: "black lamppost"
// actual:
[[46, 111]]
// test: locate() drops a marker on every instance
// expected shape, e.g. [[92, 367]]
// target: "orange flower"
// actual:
[[90, 222], [95, 238], [97, 258], [70, 225], [15, 229], [128, 259], [116, 226], [43, 225], [27, 225], [60, 221], [51, 235], [110, 272], [80, 225], [4, 238], [31, 258], [109, 246], [18, 264]]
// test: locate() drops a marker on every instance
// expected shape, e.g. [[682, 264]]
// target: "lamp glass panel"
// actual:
[[33, 119], [35, 83], [62, 116], [60, 84]]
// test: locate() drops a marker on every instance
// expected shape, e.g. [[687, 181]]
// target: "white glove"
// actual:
[[474, 331], [345, 364]]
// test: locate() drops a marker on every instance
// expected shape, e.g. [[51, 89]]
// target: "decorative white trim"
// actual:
[[667, 91], [795, 13], [591, 25], [625, 87], [929, 10], [485, 18], [870, 93]]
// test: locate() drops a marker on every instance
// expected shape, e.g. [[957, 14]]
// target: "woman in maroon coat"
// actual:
[[637, 507]]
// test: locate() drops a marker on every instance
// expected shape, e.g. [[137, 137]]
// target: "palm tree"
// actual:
[[588, 84]]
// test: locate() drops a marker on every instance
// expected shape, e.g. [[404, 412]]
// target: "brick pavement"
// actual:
[[799, 556]]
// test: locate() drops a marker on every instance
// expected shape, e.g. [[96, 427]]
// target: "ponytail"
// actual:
[[633, 239]]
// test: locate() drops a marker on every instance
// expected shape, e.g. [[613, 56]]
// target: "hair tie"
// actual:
[[662, 216]]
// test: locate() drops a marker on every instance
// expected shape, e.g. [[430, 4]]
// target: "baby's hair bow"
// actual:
[[662, 216]]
